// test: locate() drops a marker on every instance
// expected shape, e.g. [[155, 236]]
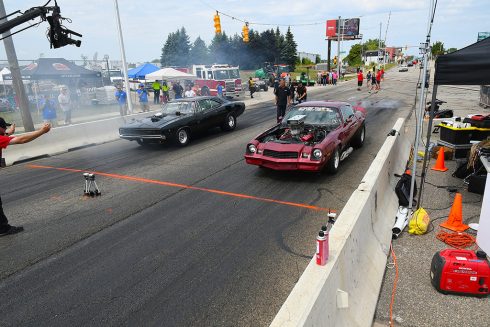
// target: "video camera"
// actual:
[[59, 36]]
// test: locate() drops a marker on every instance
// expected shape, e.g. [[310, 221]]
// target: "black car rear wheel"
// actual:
[[182, 137], [230, 123]]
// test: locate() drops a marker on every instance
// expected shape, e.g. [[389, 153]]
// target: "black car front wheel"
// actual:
[[230, 123], [143, 142], [182, 137]]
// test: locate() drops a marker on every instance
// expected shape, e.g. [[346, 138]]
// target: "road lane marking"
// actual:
[[183, 186]]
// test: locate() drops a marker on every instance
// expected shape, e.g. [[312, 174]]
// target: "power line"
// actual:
[[258, 23]]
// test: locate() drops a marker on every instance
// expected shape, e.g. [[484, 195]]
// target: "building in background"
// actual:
[[311, 56]]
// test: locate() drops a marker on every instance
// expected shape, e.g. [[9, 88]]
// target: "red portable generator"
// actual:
[[461, 272]]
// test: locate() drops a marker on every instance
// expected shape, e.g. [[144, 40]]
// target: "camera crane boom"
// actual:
[[58, 35]]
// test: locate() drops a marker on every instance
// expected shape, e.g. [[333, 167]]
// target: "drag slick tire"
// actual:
[[182, 137], [334, 162], [358, 139], [230, 123]]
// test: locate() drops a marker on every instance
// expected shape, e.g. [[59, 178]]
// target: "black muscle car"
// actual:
[[182, 118]]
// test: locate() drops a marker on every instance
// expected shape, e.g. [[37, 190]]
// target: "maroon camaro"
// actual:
[[312, 136]]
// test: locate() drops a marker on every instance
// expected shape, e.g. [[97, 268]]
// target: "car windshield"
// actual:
[[234, 73], [329, 117], [221, 74], [184, 107]]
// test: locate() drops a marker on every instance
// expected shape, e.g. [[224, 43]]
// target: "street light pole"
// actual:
[[123, 57], [16, 76], [338, 48]]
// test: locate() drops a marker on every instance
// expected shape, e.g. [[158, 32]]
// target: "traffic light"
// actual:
[[217, 24], [335, 60], [245, 33]]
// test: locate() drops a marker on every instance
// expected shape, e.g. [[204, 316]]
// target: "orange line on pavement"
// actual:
[[183, 186]]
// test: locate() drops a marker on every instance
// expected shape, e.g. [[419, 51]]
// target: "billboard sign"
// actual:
[[348, 27], [483, 35]]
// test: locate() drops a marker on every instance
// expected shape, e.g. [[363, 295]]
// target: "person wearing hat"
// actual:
[[5, 140], [143, 97], [65, 104], [121, 98]]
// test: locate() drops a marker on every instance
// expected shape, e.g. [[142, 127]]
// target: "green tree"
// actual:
[[219, 48], [199, 53], [318, 59], [373, 44], [175, 51], [437, 48], [355, 55], [279, 45], [289, 50], [451, 50]]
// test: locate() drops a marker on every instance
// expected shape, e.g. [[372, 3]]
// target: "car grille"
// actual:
[[230, 86], [138, 132], [281, 154]]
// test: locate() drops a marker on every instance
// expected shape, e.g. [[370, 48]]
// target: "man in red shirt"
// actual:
[[6, 140], [360, 79], [378, 80]]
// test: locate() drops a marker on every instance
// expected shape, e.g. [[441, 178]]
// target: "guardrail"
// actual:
[[66, 138], [345, 291]]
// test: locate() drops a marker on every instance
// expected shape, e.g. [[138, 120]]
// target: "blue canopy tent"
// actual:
[[140, 71]]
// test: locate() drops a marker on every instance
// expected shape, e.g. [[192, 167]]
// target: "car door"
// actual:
[[350, 122], [218, 112], [205, 115]]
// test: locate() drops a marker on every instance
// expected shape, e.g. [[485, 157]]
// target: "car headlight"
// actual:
[[317, 154], [252, 148]]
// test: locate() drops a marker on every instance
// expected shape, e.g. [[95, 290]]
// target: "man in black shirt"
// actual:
[[283, 99], [301, 93]]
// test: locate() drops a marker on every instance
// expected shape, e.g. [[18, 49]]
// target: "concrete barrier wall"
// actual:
[[345, 291], [64, 138]]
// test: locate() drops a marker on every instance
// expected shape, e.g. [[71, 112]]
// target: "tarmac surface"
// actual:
[[417, 303], [175, 239]]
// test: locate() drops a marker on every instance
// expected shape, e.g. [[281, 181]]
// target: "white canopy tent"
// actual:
[[3, 81], [169, 74]]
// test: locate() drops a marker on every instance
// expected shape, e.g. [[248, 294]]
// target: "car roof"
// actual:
[[194, 99], [331, 104]]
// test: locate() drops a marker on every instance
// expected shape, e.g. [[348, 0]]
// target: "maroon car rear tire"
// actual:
[[358, 139]]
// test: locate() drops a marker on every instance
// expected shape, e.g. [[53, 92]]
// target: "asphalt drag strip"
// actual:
[[163, 249]]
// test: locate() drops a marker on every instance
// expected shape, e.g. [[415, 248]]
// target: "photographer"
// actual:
[[6, 140]]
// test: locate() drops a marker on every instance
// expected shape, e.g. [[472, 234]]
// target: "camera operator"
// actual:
[[5, 140]]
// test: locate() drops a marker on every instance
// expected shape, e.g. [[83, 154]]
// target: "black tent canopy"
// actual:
[[56, 68], [467, 66]]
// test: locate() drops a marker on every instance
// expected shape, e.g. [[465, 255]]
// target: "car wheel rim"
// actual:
[[362, 135], [182, 136], [336, 160], [231, 121]]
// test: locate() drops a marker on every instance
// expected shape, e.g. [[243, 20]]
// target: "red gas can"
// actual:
[[461, 272]]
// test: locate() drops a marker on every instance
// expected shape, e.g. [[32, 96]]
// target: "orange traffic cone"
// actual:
[[439, 166], [455, 220]]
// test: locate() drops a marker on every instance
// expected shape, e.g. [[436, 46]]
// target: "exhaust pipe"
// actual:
[[346, 153], [401, 221]]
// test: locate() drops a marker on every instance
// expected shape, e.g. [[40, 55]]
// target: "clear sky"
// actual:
[[146, 24]]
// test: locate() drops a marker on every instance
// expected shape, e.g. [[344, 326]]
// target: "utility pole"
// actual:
[[379, 44], [123, 57], [16, 76], [386, 34], [338, 48]]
